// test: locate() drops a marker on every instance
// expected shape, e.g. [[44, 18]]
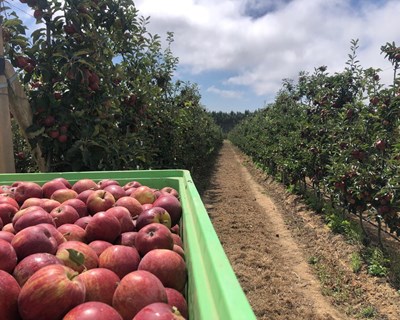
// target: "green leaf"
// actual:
[[76, 257]]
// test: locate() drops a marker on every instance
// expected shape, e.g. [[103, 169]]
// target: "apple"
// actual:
[[133, 205], [177, 240], [166, 265], [99, 200], [172, 205], [54, 232], [175, 229], [103, 226], [153, 236], [32, 263], [124, 217], [176, 299], [49, 204], [5, 235], [27, 189], [7, 212], [144, 194], [132, 184], [50, 293], [77, 255], [159, 310], [100, 284], [7, 199], [107, 182], [20, 213], [99, 246], [9, 228], [154, 214], [72, 231], [33, 240], [62, 195], [1, 224], [32, 218], [9, 292], [8, 256], [137, 290], [84, 184], [127, 239], [120, 259], [171, 191], [93, 310], [50, 186], [64, 214], [116, 190], [63, 180], [78, 205], [84, 195], [30, 202], [83, 222], [129, 191], [179, 250], [147, 206]]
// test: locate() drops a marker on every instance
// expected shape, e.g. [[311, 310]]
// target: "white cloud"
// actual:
[[230, 94], [284, 38]]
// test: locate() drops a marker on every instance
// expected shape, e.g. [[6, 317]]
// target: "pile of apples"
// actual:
[[91, 251]]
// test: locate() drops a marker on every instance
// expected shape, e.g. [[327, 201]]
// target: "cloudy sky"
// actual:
[[238, 51]]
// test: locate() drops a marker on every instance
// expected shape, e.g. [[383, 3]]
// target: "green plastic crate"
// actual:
[[213, 291]]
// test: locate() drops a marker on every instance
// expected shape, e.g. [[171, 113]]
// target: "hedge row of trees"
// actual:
[[340, 131], [101, 91]]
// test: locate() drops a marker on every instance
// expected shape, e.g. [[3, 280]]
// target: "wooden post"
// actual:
[[7, 164]]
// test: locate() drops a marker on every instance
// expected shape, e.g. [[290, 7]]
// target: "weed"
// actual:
[[356, 262], [377, 262], [368, 312]]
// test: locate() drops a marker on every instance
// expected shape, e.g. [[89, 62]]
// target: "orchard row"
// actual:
[[341, 131], [101, 92]]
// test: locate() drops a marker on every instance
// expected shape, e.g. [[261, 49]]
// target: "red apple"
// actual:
[[107, 182], [30, 202], [176, 299], [127, 239], [8, 256], [144, 194], [147, 206], [154, 214], [78, 205], [50, 186], [83, 222], [179, 250], [158, 310], [32, 240], [103, 226], [50, 293], [99, 200], [172, 205], [100, 284], [132, 184], [116, 190], [9, 292], [32, 218], [20, 213], [5, 235], [49, 204], [120, 259], [7, 212], [84, 195], [84, 184], [175, 229], [124, 217], [137, 290], [168, 266], [7, 199], [177, 240], [27, 189], [72, 231], [99, 246], [77, 255], [153, 236], [9, 228], [32, 263], [54, 232], [62, 195], [63, 180], [133, 205], [170, 190], [64, 214], [93, 310]]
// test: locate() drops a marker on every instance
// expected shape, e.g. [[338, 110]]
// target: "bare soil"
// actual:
[[289, 264]]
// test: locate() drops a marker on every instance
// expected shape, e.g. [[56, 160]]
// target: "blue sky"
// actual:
[[238, 51]]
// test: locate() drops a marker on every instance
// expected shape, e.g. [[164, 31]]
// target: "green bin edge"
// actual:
[[213, 291]]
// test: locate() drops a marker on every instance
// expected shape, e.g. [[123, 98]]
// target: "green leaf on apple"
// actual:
[[76, 257]]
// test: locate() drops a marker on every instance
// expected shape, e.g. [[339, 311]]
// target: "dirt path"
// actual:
[[263, 247]]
